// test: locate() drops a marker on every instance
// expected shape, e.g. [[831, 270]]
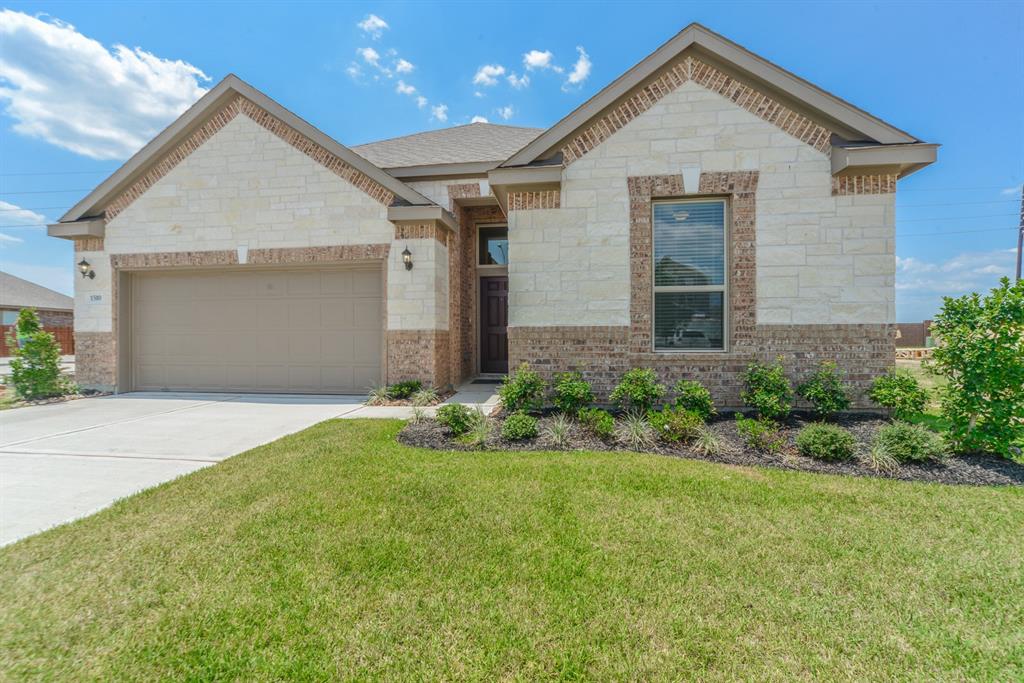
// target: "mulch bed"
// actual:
[[973, 469]]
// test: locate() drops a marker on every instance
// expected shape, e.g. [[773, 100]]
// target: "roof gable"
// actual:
[[229, 98], [723, 66]]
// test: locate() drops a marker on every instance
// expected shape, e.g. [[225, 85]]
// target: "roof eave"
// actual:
[[899, 160]]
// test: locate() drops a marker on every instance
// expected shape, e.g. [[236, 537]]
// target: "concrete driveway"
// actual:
[[62, 461]]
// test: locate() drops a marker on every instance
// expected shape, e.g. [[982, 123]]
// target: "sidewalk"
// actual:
[[483, 396]]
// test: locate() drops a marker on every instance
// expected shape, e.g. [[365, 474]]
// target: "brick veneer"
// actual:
[[603, 353], [422, 231], [419, 354], [674, 75], [538, 199], [240, 105], [96, 360], [864, 184], [89, 244]]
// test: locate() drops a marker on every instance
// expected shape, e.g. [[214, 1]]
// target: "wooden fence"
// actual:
[[65, 337]]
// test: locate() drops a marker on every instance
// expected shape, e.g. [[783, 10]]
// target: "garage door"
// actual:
[[304, 330]]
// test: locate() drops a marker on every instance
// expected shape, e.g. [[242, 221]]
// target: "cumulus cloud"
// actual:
[[403, 66], [369, 55], [14, 215], [488, 74], [506, 112], [537, 59], [517, 82], [439, 112], [921, 283], [580, 70], [72, 92], [6, 239], [404, 89], [421, 101], [479, 119], [373, 26]]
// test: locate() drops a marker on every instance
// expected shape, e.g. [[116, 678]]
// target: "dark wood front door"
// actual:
[[494, 324]]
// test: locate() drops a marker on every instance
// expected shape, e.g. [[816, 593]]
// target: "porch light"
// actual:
[[85, 270], [407, 258]]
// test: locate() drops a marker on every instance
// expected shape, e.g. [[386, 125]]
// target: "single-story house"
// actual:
[[56, 311], [705, 209]]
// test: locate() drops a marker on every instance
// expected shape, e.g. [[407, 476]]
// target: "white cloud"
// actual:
[[373, 25], [580, 70], [403, 66], [1012, 191], [517, 82], [479, 119], [477, 93], [69, 90], [488, 74], [404, 89], [6, 239], [354, 70], [440, 112], [369, 55], [921, 284], [14, 215], [506, 112], [421, 101], [536, 59]]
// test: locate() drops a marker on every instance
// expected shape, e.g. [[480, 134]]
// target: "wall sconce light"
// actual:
[[85, 270], [407, 258]]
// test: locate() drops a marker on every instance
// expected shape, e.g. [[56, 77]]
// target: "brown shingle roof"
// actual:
[[18, 293], [455, 145]]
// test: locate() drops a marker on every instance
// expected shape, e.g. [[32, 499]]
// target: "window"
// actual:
[[494, 246], [9, 318], [689, 275]]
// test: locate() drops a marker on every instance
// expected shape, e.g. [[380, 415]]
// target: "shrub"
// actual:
[[377, 395], [35, 368], [519, 426], [981, 353], [881, 460], [767, 390], [635, 432], [899, 391], [425, 397], [761, 434], [458, 418], [706, 442], [675, 424], [403, 390], [904, 442], [694, 397], [825, 391], [523, 390], [599, 422], [826, 442], [478, 432], [418, 415], [572, 393], [558, 431], [638, 389]]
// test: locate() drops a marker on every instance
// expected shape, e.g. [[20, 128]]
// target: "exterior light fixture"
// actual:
[[407, 258], [86, 270]]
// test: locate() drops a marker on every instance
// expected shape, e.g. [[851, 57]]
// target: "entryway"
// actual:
[[492, 267]]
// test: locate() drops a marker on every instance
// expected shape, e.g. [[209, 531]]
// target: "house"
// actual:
[[55, 310], [705, 209]]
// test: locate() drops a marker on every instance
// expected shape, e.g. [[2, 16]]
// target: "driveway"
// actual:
[[62, 461]]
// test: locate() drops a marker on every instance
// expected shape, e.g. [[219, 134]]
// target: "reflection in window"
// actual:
[[493, 246], [689, 275]]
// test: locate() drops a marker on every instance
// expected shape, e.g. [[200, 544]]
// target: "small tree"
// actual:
[[35, 368], [981, 353]]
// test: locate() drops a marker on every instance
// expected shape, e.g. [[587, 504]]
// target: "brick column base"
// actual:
[[419, 354]]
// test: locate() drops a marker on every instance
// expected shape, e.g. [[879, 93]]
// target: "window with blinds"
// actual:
[[690, 288]]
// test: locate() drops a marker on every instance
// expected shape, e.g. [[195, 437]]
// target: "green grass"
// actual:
[[337, 553], [927, 379]]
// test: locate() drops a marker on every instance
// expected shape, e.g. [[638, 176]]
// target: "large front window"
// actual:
[[690, 288]]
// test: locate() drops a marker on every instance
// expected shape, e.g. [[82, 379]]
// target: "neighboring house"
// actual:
[[704, 210], [56, 311], [913, 335]]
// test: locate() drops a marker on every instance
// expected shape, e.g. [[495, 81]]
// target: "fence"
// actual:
[[65, 337]]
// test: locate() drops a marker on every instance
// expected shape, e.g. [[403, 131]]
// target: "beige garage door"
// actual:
[[303, 330]]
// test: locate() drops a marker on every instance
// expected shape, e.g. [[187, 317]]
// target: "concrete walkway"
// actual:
[[62, 461], [483, 396]]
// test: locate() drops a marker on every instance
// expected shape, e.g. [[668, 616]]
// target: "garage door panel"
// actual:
[[299, 330]]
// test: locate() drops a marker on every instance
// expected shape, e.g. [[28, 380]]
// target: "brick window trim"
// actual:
[[739, 189]]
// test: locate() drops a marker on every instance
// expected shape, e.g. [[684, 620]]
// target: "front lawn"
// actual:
[[338, 553]]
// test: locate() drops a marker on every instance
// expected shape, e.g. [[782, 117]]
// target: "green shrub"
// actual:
[[981, 353], [706, 442], [635, 432], [572, 393], [377, 395], [675, 424], [825, 391], [35, 368], [693, 396], [559, 431], [761, 434], [638, 389], [522, 390], [519, 426], [425, 397], [599, 422], [458, 418], [403, 390], [826, 442], [767, 390], [476, 435], [899, 391], [904, 442]]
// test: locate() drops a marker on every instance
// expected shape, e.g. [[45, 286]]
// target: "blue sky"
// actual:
[[76, 101]]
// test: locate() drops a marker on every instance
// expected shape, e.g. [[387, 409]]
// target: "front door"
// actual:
[[494, 324]]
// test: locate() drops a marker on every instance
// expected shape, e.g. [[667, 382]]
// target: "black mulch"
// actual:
[[973, 469]]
